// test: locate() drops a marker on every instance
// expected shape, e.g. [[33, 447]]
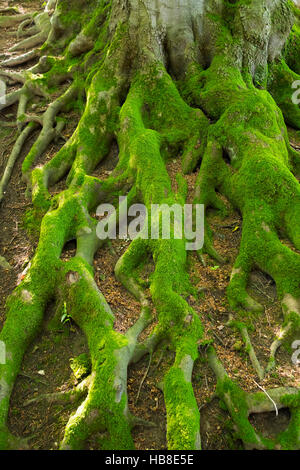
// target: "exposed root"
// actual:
[[50, 129], [240, 405], [21, 27], [30, 43], [243, 180], [63, 398], [15, 77], [21, 59], [13, 10], [13, 157], [8, 124], [8, 21], [105, 407], [244, 154]]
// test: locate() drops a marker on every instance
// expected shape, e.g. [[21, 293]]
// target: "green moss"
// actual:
[[236, 402], [292, 50], [81, 366], [281, 79], [183, 416], [251, 131], [290, 438]]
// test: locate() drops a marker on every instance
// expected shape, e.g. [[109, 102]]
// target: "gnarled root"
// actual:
[[241, 404], [250, 183], [243, 155]]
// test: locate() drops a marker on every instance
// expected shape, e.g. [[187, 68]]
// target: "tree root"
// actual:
[[13, 157], [29, 43], [49, 130], [262, 210], [13, 10], [21, 59], [15, 77], [240, 405], [63, 398], [243, 156], [22, 31], [8, 21]]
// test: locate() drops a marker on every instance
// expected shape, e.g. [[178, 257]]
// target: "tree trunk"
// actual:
[[212, 78]]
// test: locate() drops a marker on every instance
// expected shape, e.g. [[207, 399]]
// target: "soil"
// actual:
[[46, 365]]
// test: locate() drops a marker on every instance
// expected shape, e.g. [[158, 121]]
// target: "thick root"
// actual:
[[243, 155], [249, 183], [8, 21], [30, 43], [21, 59]]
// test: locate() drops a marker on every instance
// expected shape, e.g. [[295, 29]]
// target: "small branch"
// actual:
[[266, 393]]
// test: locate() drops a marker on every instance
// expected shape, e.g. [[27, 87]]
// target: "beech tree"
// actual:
[[207, 81]]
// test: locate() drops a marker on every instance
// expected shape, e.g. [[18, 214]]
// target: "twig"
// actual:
[[262, 292], [218, 338], [266, 393], [159, 361]]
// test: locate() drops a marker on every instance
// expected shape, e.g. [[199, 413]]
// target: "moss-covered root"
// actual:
[[74, 395], [27, 303], [25, 314], [179, 324], [183, 416], [127, 264], [105, 408], [8, 21], [51, 128], [213, 170], [101, 106], [248, 160], [241, 404], [37, 33], [152, 117], [281, 80], [279, 261]]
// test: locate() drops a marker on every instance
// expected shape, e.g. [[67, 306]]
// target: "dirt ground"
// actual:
[[46, 366]]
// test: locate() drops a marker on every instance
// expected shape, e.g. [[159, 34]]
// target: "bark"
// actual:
[[212, 77]]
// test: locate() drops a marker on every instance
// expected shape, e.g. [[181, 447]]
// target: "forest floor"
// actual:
[[46, 366]]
